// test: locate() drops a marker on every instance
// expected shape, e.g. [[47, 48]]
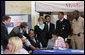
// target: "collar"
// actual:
[[47, 23], [62, 19], [41, 27], [79, 19]]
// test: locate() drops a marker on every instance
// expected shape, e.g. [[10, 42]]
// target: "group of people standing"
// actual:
[[44, 31]]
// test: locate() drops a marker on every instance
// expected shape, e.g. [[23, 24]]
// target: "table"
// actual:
[[67, 51]]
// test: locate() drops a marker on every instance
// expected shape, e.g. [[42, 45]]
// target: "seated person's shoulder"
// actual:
[[59, 37], [27, 43], [81, 18]]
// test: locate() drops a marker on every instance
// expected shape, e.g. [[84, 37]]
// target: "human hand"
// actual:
[[37, 48], [55, 47], [24, 39]]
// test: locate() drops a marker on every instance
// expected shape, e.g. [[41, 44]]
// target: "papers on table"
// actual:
[[48, 50], [62, 48], [77, 50]]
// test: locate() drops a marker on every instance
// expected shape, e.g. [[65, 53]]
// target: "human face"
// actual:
[[75, 14], [31, 34], [41, 22], [60, 16], [54, 36], [25, 29], [7, 22], [48, 19], [10, 46]]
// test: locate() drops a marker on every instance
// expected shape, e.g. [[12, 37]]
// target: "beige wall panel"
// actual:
[[18, 7]]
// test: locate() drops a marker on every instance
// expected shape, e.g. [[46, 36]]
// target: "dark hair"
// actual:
[[31, 30], [46, 16], [54, 32], [62, 13], [4, 18], [23, 25], [40, 18], [76, 11]]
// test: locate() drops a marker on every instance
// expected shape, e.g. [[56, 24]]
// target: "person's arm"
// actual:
[[28, 44], [41, 45], [63, 43], [4, 34], [68, 27], [35, 30], [55, 44], [82, 31], [53, 26], [71, 27], [25, 34], [33, 48], [57, 28]]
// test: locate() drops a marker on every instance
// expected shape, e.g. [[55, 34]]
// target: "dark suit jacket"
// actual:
[[52, 27], [4, 35], [16, 32], [63, 28], [41, 35]]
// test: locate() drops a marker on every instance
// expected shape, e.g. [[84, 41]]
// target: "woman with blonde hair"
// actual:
[[41, 31], [15, 46]]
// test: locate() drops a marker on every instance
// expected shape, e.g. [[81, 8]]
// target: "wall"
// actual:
[[19, 11]]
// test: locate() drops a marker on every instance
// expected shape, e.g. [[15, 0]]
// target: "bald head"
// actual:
[[76, 14]]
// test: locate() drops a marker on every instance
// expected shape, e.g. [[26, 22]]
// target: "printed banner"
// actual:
[[56, 6]]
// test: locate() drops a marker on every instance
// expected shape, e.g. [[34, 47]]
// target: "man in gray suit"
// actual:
[[19, 30]]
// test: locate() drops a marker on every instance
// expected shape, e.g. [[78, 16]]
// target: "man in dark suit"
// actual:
[[33, 41], [50, 26], [4, 33], [19, 30], [63, 26]]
